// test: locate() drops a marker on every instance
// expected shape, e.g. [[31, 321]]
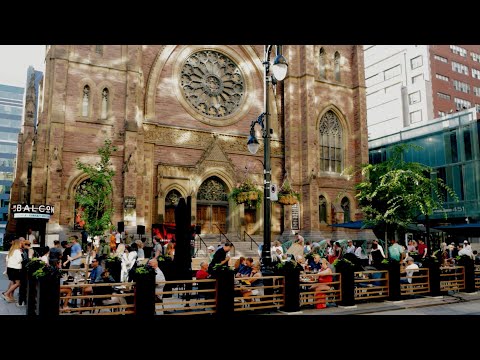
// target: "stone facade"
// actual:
[[180, 115]]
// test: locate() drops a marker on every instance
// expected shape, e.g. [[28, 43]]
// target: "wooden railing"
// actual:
[[270, 295], [420, 283], [117, 303], [186, 297], [371, 284], [452, 278], [477, 277], [318, 298]]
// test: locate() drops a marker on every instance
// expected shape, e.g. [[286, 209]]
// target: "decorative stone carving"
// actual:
[[162, 135], [212, 83]]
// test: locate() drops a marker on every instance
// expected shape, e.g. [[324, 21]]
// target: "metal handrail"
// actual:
[[200, 244], [251, 240], [226, 237]]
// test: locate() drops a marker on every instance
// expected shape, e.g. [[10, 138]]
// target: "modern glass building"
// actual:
[[11, 109], [451, 147]]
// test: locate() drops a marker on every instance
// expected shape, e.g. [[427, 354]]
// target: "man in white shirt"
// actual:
[[410, 269], [32, 238], [350, 247]]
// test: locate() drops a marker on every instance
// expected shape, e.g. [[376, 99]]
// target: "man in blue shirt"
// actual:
[[75, 258]]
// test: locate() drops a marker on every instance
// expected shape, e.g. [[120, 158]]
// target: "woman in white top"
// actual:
[[129, 258], [13, 270]]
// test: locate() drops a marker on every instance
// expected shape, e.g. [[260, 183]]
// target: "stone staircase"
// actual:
[[241, 248]]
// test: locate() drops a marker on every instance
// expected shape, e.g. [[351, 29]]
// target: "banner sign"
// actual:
[[32, 211]]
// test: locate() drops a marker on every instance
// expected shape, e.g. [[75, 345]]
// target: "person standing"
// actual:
[[27, 254], [220, 257], [13, 270], [75, 257]]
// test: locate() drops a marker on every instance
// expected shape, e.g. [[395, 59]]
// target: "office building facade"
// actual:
[[11, 109]]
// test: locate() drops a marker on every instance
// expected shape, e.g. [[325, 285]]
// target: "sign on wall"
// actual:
[[32, 211], [296, 217], [129, 206]]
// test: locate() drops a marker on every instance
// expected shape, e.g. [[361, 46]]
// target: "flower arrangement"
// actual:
[[247, 193], [222, 267], [288, 267], [144, 270], [112, 259], [39, 270], [287, 196], [343, 265]]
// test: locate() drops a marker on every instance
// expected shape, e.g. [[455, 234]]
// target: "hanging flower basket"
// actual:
[[287, 196], [287, 199], [247, 194]]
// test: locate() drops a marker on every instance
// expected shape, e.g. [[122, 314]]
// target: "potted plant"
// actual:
[[45, 279], [144, 291], [246, 193], [291, 270], [287, 196]]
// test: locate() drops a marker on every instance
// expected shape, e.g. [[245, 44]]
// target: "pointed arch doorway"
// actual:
[[212, 206]]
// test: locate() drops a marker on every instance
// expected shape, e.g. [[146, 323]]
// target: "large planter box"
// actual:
[[48, 296]]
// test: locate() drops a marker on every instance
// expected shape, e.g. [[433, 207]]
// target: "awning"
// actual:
[[472, 230], [353, 225], [458, 227]]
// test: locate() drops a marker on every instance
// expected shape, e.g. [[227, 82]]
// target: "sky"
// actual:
[[15, 60]]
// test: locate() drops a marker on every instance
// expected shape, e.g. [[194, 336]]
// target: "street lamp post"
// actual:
[[279, 70]]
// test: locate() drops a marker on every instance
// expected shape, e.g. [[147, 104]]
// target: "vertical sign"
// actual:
[[129, 207], [296, 217]]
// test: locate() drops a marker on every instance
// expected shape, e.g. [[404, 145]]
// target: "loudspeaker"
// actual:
[[121, 226], [198, 229], [141, 229]]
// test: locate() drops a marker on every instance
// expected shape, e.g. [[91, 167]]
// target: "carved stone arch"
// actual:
[[177, 187], [222, 174], [72, 183], [340, 115]]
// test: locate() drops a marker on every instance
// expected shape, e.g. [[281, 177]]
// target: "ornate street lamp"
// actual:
[[279, 71]]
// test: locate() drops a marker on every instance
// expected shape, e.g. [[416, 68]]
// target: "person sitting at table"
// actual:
[[325, 279], [239, 264], [95, 275], [410, 269], [66, 291], [247, 269], [315, 264], [254, 283]]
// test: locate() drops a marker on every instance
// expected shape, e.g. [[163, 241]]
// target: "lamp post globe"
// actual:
[[253, 144], [280, 67]]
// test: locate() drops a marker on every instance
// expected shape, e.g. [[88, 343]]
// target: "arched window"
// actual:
[[331, 143], [322, 209], [337, 66], [321, 63], [85, 100], [104, 103], [346, 209], [212, 189]]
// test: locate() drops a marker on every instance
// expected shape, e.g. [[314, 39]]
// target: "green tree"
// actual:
[[395, 192], [95, 197]]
